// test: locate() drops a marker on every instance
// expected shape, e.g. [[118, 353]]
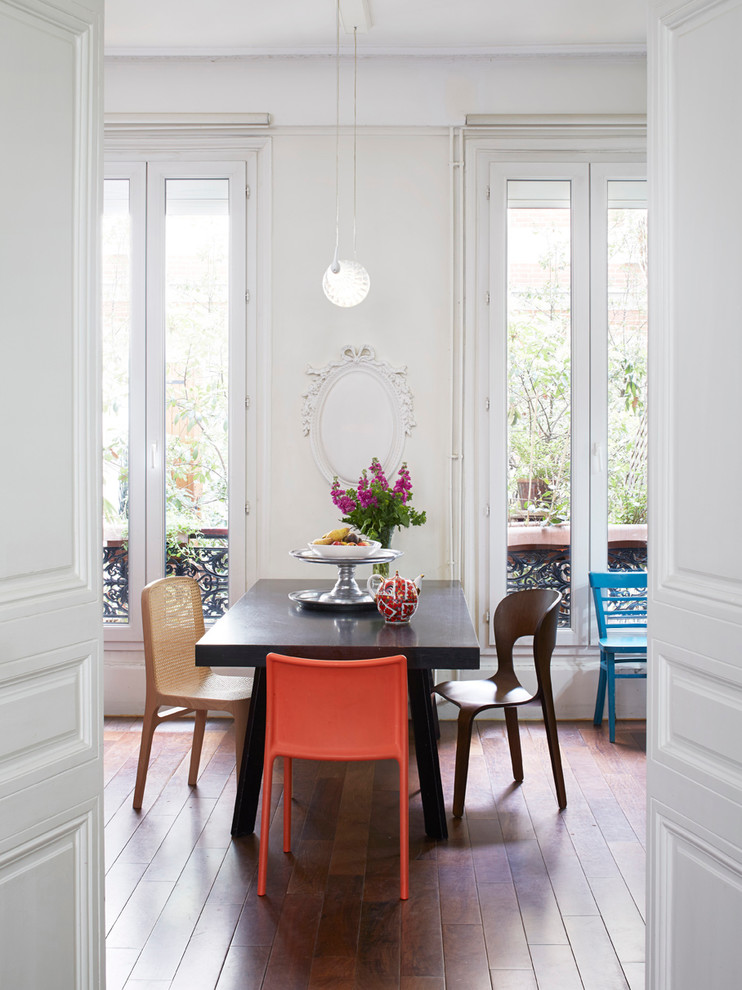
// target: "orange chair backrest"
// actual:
[[336, 709]]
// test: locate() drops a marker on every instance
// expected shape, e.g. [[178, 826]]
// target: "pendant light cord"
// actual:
[[355, 124], [335, 263]]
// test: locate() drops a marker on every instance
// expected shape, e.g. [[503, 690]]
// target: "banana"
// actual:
[[329, 538]]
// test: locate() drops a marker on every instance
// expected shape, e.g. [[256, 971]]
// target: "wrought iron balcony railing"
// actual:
[[204, 557], [534, 566]]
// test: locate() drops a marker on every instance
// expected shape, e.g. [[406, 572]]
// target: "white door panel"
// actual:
[[695, 626], [51, 901]]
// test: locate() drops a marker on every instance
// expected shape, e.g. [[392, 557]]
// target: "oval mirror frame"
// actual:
[[355, 409]]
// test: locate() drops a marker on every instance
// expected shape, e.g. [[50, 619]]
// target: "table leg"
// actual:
[[251, 771], [428, 768]]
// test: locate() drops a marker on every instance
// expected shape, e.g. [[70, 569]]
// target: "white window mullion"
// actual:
[[238, 399], [497, 507], [599, 175], [135, 173], [580, 501], [500, 173], [155, 444]]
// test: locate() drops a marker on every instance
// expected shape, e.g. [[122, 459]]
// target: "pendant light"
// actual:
[[345, 283]]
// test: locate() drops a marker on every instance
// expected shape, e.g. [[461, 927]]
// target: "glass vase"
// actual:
[[385, 538]]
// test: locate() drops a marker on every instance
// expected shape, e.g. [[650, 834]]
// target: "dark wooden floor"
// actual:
[[521, 896]]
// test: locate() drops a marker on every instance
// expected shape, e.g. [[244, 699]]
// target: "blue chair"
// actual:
[[620, 607]]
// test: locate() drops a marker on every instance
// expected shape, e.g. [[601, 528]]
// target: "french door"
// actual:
[[566, 381], [173, 381]]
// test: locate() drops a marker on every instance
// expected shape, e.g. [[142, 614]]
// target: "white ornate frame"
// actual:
[[392, 382]]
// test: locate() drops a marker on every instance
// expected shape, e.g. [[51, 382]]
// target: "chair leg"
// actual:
[[198, 738], [600, 699], [287, 788], [149, 724], [463, 745], [516, 755], [550, 723], [404, 831], [611, 664], [265, 825]]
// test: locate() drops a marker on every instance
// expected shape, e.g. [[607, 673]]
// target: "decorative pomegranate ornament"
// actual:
[[396, 597]]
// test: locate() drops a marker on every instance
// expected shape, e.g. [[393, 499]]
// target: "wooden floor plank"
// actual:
[[244, 967], [555, 967], [621, 917], [465, 958], [119, 964], [522, 896], [504, 934], [422, 942], [596, 960]]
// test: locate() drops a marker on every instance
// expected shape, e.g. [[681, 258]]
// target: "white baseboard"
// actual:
[[575, 682]]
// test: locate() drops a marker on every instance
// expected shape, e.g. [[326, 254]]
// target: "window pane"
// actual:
[[539, 386], [627, 374], [196, 376], [116, 298]]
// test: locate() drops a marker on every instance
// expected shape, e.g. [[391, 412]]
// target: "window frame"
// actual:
[[578, 176], [173, 149], [616, 144]]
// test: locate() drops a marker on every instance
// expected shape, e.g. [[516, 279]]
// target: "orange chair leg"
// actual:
[[404, 831], [516, 755], [463, 745], [149, 723], [287, 775], [198, 738], [265, 825]]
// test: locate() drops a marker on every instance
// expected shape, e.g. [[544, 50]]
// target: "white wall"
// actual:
[[422, 92], [404, 240]]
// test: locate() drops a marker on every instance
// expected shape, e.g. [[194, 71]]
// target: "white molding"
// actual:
[[149, 133], [605, 52], [50, 699], [577, 124], [78, 581], [689, 589], [391, 381], [73, 843], [233, 124], [673, 914], [699, 717]]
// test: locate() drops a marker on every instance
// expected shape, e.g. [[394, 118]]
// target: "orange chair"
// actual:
[[173, 621], [334, 710]]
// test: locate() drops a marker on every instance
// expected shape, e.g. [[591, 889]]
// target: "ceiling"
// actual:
[[305, 27]]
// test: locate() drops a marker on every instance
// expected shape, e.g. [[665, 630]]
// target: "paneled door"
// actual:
[[51, 900], [695, 611]]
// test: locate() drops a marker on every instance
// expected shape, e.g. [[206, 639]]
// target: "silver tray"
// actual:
[[382, 556], [319, 598], [346, 593]]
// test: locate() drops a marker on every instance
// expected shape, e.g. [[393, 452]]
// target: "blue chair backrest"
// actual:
[[620, 600]]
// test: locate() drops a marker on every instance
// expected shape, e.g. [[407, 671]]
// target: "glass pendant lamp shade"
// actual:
[[348, 285]]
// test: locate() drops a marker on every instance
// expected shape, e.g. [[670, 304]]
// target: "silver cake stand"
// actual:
[[346, 594]]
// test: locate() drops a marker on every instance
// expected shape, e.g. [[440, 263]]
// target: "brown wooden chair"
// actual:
[[534, 612], [173, 621]]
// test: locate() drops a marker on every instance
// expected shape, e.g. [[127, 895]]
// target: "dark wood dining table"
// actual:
[[440, 635]]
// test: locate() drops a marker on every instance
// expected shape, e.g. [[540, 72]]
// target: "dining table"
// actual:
[[265, 620]]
